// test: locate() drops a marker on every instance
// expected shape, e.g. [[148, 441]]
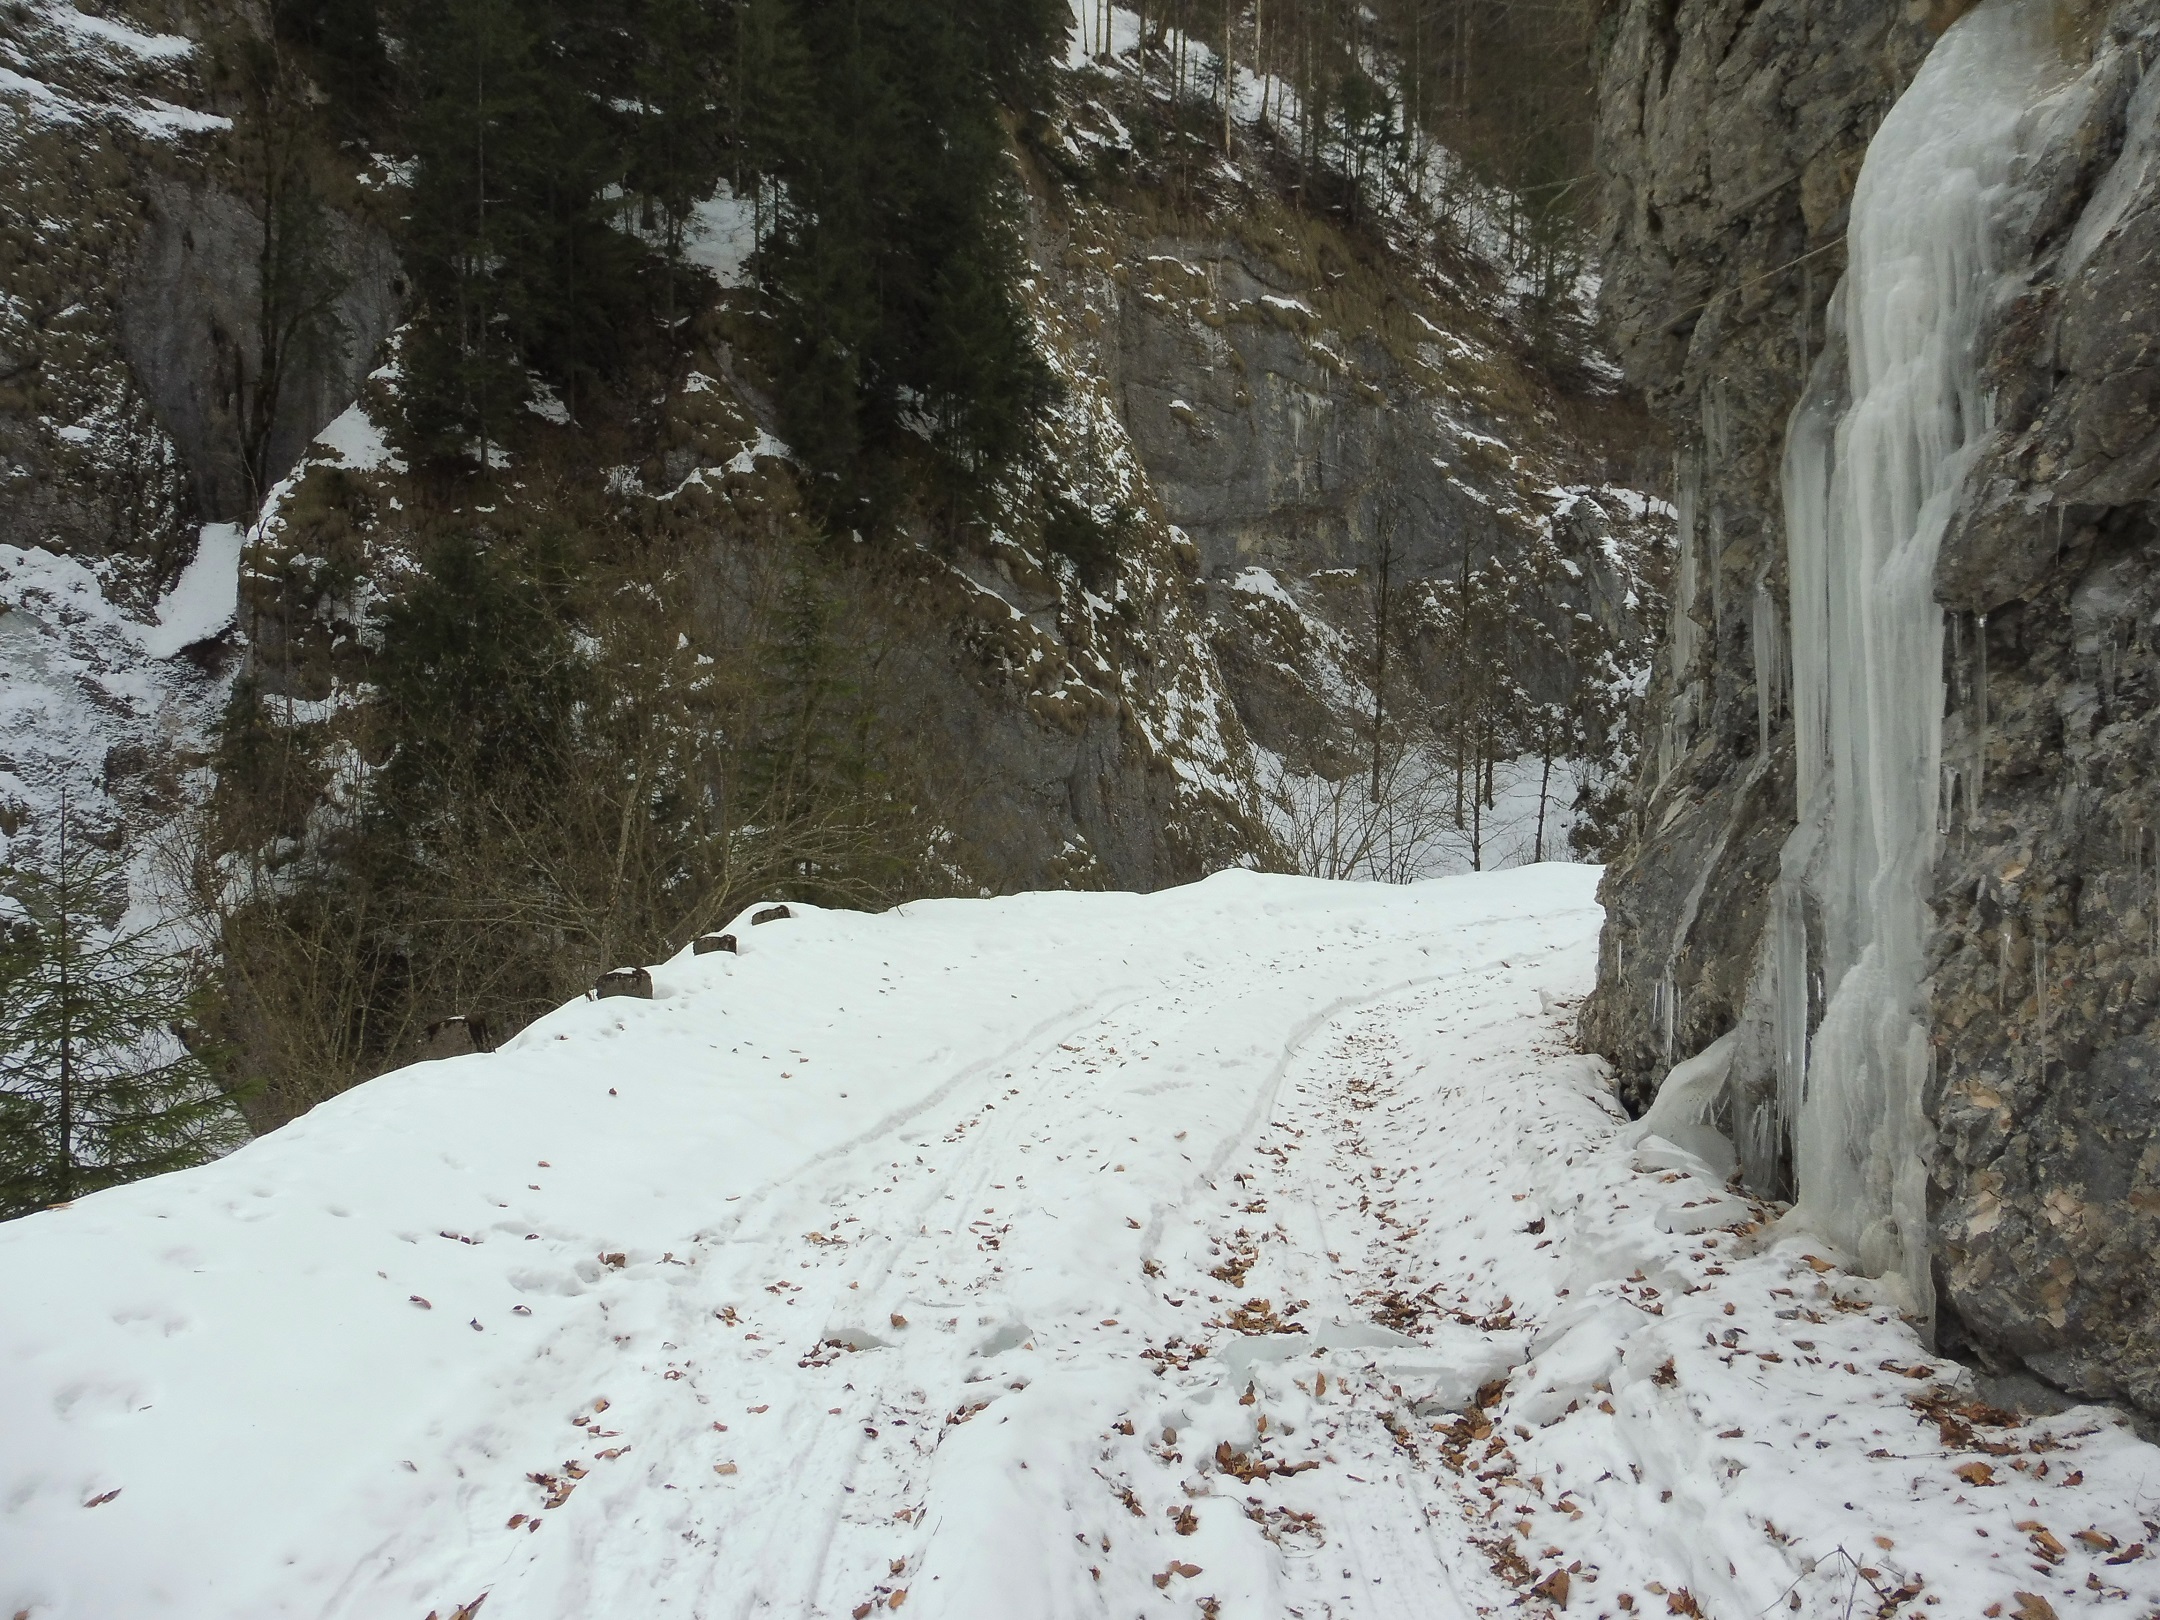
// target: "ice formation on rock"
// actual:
[[1874, 456]]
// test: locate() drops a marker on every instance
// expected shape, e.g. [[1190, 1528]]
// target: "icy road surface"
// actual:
[[1255, 1249]]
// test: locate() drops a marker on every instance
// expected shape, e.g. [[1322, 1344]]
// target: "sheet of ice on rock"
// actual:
[[1255, 1249]]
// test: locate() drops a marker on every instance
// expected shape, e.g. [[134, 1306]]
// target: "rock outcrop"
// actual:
[[1730, 140]]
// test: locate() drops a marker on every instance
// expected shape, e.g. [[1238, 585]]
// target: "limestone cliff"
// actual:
[[1254, 391], [1730, 142]]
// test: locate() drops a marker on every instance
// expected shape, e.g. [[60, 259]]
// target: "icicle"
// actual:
[[1769, 641], [1874, 455], [1684, 629]]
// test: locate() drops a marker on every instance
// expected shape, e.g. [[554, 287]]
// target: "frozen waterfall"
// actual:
[[1873, 458]]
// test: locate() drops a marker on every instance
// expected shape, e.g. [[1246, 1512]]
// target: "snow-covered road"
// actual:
[[1255, 1249]]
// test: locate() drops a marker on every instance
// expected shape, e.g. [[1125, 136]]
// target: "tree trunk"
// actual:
[[1544, 784], [1383, 567]]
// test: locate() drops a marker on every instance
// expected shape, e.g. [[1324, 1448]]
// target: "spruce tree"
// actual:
[[518, 139], [97, 1086], [678, 119], [478, 684], [896, 255]]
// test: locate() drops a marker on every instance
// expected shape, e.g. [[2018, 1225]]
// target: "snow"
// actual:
[[544, 402], [1089, 20], [1256, 581], [1874, 459], [161, 119], [81, 676], [722, 236], [357, 441], [205, 598], [1333, 828], [55, 38], [763, 446], [104, 31], [1055, 1255], [48, 103]]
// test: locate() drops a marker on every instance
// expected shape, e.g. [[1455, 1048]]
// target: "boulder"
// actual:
[[454, 1037], [630, 981]]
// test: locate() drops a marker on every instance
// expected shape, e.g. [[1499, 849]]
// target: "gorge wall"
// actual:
[[1731, 140], [1255, 387]]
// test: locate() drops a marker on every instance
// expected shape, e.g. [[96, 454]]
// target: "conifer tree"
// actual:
[[478, 684], [896, 254], [516, 137], [97, 1086], [678, 116]]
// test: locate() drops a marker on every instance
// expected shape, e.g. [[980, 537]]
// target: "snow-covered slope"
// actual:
[[1258, 1248]]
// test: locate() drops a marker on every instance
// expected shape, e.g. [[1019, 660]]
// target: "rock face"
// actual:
[[1293, 397], [1260, 388], [1255, 398], [1730, 139], [130, 318]]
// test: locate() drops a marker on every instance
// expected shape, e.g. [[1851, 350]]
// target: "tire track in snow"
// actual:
[[789, 1539], [1696, 1414]]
